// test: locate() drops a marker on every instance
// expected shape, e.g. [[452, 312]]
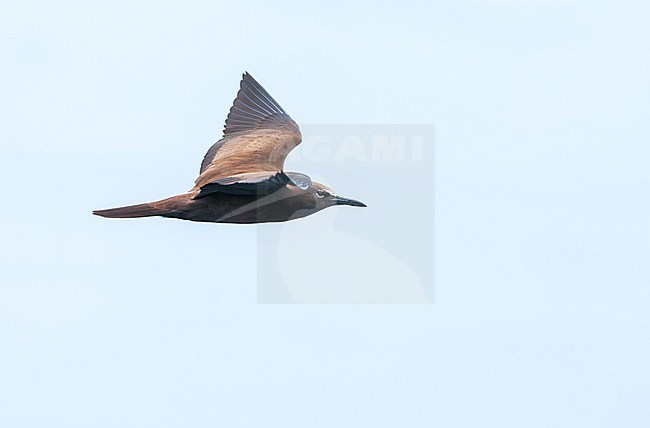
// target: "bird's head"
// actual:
[[325, 197]]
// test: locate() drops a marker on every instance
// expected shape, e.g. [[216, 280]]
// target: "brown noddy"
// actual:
[[242, 178]]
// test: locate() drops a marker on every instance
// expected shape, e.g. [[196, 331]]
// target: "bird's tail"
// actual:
[[140, 210]]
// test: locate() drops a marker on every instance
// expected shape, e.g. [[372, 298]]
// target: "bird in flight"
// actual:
[[242, 177]]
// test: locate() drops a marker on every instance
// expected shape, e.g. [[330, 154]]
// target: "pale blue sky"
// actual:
[[542, 216]]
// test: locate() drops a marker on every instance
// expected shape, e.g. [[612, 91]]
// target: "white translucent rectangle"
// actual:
[[380, 254]]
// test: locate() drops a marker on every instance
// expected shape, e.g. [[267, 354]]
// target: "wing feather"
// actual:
[[257, 137], [254, 183]]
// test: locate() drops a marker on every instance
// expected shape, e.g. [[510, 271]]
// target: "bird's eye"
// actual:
[[321, 193]]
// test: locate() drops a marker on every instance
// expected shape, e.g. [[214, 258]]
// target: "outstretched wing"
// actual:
[[257, 137]]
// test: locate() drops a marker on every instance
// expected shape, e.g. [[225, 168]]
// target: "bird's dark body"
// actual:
[[241, 179], [221, 208]]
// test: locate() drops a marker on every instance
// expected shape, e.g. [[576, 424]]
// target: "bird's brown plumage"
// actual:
[[241, 179], [258, 136]]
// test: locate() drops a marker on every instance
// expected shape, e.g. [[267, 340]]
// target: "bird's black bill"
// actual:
[[351, 202]]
